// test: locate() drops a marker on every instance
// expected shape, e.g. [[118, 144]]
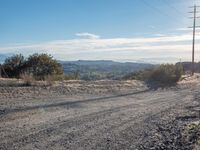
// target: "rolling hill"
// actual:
[[101, 69]]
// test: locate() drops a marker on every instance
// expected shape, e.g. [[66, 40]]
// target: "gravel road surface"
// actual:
[[136, 118]]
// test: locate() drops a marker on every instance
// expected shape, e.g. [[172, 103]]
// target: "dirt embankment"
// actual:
[[16, 88]]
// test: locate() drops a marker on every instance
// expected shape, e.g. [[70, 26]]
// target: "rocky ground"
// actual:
[[99, 115]]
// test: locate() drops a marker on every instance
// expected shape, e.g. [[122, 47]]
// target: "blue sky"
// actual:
[[121, 30]]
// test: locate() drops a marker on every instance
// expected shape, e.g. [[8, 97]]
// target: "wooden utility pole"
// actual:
[[194, 34], [0, 71], [193, 42]]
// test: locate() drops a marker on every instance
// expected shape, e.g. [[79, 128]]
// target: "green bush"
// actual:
[[163, 74], [38, 66], [13, 66], [166, 74], [43, 65]]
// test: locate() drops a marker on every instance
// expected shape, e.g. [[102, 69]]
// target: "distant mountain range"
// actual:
[[101, 69]]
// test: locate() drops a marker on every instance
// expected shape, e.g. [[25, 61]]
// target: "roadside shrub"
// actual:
[[163, 74], [13, 66], [35, 67], [43, 65], [166, 74]]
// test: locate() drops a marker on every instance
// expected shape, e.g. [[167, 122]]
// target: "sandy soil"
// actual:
[[97, 115]]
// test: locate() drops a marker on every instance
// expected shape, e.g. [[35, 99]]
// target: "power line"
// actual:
[[154, 8], [158, 10], [178, 20], [171, 6]]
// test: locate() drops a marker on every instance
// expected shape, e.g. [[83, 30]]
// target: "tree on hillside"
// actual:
[[42, 65]]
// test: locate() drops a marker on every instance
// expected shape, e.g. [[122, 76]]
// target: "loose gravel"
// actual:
[[97, 115]]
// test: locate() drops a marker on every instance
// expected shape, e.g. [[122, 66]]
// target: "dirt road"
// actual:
[[133, 119]]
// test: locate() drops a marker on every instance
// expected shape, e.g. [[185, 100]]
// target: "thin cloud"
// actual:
[[86, 35], [186, 29]]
